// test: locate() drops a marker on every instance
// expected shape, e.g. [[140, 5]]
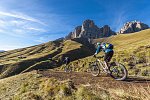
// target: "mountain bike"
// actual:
[[114, 69]]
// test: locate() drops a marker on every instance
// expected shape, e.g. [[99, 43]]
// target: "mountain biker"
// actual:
[[66, 60], [108, 49]]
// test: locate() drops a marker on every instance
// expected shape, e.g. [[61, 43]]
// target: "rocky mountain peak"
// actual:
[[88, 24], [133, 26], [90, 30], [106, 31]]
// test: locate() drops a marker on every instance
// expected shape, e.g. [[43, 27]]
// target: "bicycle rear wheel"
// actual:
[[94, 68], [118, 71]]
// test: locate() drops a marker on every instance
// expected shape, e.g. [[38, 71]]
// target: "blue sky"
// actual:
[[29, 22]]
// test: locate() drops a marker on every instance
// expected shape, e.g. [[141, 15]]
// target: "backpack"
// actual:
[[109, 46]]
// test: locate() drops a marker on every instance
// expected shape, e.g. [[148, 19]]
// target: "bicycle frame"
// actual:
[[104, 66]]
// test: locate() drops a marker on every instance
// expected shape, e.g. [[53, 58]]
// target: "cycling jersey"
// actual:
[[104, 48]]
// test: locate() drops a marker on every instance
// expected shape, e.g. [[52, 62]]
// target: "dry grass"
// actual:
[[34, 86], [129, 41], [131, 93]]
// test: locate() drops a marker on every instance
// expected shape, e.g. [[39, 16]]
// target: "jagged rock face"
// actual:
[[69, 36], [77, 31], [133, 26], [90, 30], [106, 31]]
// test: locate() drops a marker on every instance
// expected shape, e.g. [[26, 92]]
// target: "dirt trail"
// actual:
[[103, 80]]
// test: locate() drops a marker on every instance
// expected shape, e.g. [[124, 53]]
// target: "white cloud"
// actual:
[[18, 31], [29, 25], [2, 31], [21, 16], [36, 29], [28, 29], [18, 25], [41, 40], [119, 19], [2, 22], [17, 22]]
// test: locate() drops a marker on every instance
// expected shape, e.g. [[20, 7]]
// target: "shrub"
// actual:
[[137, 71], [65, 90], [145, 73]]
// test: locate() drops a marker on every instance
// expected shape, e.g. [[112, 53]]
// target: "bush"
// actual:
[[137, 71], [145, 73]]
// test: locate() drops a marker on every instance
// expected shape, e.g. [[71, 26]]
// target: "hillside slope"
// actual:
[[129, 41], [50, 55], [132, 50], [43, 56]]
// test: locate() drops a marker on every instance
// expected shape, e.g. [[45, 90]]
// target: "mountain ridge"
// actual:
[[133, 26], [89, 30]]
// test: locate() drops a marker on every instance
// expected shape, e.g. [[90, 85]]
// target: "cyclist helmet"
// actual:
[[98, 43]]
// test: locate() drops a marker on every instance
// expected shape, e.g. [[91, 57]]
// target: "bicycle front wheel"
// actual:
[[94, 68], [118, 71]]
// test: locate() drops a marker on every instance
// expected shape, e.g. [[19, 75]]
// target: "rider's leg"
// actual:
[[107, 59]]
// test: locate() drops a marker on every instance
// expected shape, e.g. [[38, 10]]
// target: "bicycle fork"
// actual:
[[105, 67]]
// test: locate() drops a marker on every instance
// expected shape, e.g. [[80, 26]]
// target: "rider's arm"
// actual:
[[98, 50]]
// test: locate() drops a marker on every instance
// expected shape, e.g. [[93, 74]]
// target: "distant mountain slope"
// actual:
[[43, 56]]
